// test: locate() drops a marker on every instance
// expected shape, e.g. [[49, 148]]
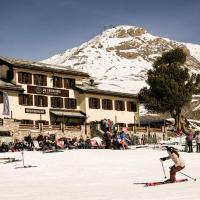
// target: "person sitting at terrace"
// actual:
[[122, 140]]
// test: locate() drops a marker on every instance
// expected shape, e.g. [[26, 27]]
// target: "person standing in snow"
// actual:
[[189, 139], [178, 163], [197, 137]]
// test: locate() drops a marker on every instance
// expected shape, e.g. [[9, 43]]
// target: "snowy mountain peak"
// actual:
[[124, 31], [119, 57]]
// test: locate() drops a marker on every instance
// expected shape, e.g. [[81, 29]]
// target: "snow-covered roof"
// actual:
[[42, 66], [10, 86], [94, 90]]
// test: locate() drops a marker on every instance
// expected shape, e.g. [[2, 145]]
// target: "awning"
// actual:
[[75, 114], [4, 132]]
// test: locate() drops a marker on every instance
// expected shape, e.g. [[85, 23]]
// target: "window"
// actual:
[[25, 78], [41, 101], [44, 122], [25, 99], [40, 79], [69, 83], [131, 106], [121, 124], [26, 121], [56, 102], [70, 103], [130, 127], [107, 104], [57, 82], [94, 103], [119, 105]]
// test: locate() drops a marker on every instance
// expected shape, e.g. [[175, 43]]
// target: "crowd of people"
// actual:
[[121, 139], [116, 140], [45, 143], [110, 139], [190, 139]]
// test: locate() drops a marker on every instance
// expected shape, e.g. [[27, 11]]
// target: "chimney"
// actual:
[[91, 82]]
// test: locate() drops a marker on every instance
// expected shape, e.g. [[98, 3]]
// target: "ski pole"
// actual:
[[188, 176], [163, 170], [23, 157]]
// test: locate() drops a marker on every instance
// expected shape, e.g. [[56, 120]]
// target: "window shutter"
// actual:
[[44, 81], [52, 102], [123, 106], [75, 103], [20, 77], [111, 105], [66, 83], [54, 81], [128, 106], [20, 99], [29, 78], [35, 79], [66, 103], [61, 102], [116, 105], [30, 100], [60, 83], [72, 85], [134, 107], [36, 100], [103, 104], [98, 103], [90, 102], [45, 101]]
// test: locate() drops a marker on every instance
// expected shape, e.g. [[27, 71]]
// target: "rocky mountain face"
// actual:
[[119, 58]]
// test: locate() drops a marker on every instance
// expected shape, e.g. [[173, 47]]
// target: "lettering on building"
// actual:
[[35, 111], [47, 91]]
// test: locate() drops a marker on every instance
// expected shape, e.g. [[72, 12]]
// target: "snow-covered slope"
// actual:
[[97, 175], [119, 58]]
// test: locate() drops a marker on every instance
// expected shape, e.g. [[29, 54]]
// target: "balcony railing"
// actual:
[[73, 128], [49, 127], [28, 126]]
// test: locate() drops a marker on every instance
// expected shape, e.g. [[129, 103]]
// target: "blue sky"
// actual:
[[38, 29]]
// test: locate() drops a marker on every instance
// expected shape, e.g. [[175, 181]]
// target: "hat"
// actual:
[[170, 149]]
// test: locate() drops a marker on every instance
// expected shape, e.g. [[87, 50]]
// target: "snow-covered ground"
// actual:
[[96, 175]]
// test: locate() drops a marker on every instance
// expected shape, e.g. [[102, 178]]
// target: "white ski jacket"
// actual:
[[178, 161]]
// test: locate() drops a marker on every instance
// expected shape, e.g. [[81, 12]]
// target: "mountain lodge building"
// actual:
[[38, 98]]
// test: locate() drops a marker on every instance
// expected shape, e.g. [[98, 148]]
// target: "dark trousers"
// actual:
[[190, 148], [173, 172], [198, 147]]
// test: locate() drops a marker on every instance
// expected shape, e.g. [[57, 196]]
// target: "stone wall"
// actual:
[[19, 134]]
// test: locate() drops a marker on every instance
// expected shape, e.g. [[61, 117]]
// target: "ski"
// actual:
[[163, 182], [11, 161], [7, 158], [25, 166], [53, 151]]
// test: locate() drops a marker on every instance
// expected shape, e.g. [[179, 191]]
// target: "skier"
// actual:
[[178, 163]]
